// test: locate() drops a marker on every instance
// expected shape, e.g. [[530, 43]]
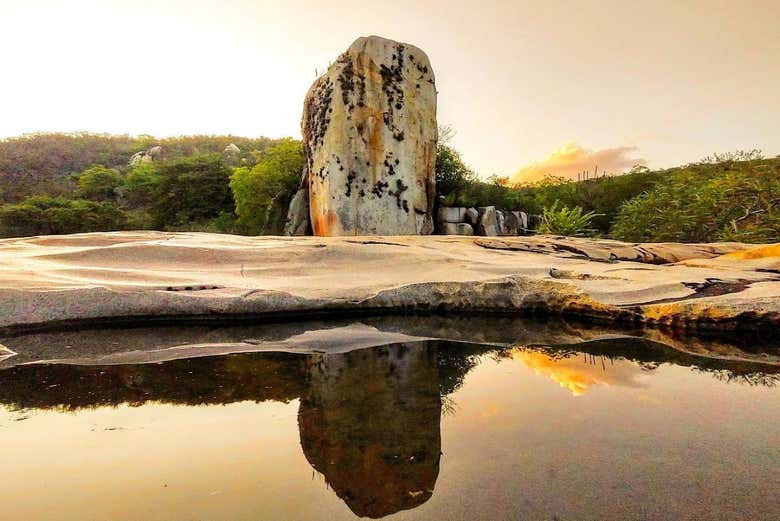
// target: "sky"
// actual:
[[530, 87]]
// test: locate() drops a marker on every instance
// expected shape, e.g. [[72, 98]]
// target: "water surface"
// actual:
[[314, 421]]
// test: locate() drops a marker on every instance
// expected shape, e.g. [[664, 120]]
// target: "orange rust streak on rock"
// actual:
[[325, 225], [760, 252]]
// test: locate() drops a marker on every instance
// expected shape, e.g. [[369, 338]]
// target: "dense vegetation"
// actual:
[[263, 192], [67, 183], [734, 196], [42, 164], [722, 201]]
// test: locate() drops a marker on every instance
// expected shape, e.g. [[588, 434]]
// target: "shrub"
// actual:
[[566, 221], [731, 200], [43, 215], [603, 196]]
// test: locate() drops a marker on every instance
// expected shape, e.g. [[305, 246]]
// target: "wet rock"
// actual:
[[369, 135]]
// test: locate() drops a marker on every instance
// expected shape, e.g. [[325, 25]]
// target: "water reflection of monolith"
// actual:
[[369, 422]]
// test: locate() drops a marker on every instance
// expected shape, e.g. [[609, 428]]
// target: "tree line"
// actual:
[[71, 183]]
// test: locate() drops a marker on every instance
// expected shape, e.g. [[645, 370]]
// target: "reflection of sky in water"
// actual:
[[578, 373], [290, 437]]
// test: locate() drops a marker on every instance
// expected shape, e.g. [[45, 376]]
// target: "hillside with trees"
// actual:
[[43, 164], [69, 183]]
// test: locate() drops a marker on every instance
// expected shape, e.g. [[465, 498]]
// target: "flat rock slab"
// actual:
[[134, 275]]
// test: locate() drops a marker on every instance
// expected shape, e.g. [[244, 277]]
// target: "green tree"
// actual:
[[99, 183], [140, 185], [44, 215], [263, 192], [452, 174], [190, 191]]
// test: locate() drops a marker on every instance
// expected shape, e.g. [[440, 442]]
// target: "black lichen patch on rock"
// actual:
[[316, 119], [392, 86], [352, 85], [379, 188], [400, 188], [390, 164], [350, 178]]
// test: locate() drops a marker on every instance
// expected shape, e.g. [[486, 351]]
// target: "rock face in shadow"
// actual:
[[369, 422], [369, 135]]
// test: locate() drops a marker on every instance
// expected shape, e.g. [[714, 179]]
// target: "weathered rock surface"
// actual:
[[369, 132], [448, 228], [298, 213], [131, 275], [471, 216], [465, 229], [488, 221], [456, 229], [451, 214]]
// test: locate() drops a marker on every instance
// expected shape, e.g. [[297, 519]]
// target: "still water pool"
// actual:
[[334, 421]]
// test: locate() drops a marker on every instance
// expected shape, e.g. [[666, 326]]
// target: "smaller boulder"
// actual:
[[522, 220], [147, 156], [448, 228], [471, 216], [451, 214], [137, 158], [501, 222], [231, 154], [298, 213], [231, 149], [488, 221], [511, 223], [457, 229], [465, 229]]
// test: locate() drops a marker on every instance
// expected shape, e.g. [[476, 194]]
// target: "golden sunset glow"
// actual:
[[600, 82], [571, 159], [576, 374]]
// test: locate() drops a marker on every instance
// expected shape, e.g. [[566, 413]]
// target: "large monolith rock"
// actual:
[[369, 135]]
